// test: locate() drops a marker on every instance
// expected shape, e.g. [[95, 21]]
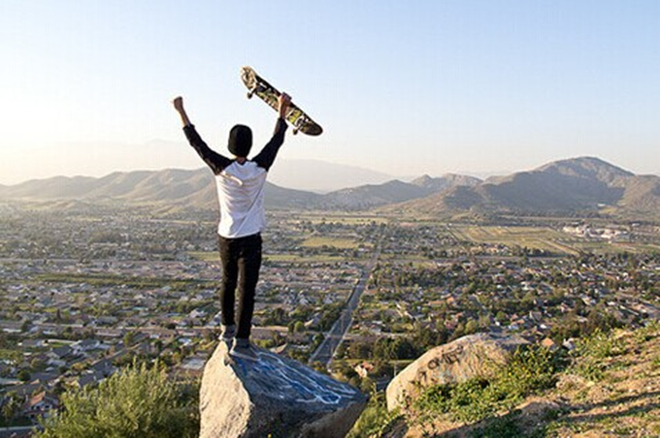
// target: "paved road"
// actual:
[[333, 338], [9, 432]]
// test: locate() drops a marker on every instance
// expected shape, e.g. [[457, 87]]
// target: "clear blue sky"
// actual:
[[404, 87]]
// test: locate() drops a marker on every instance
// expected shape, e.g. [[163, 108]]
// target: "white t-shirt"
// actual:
[[241, 198], [240, 186]]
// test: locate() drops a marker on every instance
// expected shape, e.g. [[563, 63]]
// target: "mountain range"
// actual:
[[571, 186]]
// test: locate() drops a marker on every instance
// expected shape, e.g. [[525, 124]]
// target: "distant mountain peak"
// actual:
[[588, 167], [461, 180], [422, 180]]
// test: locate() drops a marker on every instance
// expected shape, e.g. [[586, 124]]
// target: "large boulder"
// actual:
[[274, 396], [457, 361]]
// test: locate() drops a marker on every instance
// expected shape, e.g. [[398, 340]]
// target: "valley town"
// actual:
[[85, 292]]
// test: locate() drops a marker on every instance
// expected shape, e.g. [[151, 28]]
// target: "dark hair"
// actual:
[[240, 140]]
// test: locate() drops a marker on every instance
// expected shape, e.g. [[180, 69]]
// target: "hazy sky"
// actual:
[[403, 87]]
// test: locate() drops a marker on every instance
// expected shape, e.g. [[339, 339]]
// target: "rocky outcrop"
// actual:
[[274, 396], [460, 360]]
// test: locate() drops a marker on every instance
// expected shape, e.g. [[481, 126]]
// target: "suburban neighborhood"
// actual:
[[84, 295]]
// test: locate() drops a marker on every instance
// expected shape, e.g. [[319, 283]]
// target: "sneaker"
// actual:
[[242, 349], [227, 334]]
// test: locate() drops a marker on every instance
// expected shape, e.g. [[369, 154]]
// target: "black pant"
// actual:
[[241, 260]]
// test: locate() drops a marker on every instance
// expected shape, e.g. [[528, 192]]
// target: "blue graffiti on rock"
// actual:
[[287, 379]]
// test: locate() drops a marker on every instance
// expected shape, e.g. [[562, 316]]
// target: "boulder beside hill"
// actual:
[[455, 362], [274, 396]]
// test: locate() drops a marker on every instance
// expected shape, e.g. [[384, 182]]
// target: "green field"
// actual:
[[617, 247], [205, 256], [292, 258], [119, 280], [281, 258], [541, 238], [335, 242], [343, 219]]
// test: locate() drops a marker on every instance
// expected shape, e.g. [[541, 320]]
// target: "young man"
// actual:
[[240, 184]]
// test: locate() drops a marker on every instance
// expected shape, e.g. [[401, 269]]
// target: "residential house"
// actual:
[[40, 404]]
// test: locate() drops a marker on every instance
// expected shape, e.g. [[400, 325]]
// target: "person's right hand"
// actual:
[[178, 103]]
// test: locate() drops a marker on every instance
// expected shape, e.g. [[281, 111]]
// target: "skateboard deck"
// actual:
[[269, 94]]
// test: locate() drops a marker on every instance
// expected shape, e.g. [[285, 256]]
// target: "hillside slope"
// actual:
[[196, 189], [395, 191], [177, 188], [610, 388]]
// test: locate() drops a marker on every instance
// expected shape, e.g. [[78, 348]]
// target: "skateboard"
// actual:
[[269, 94]]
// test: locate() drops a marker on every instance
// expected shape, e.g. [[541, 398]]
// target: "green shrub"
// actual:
[[600, 345], [136, 402], [592, 352], [375, 420], [529, 370]]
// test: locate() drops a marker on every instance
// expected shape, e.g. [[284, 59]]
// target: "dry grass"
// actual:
[[334, 242], [542, 238], [621, 400]]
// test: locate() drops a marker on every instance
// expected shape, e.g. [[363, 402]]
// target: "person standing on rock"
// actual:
[[240, 186]]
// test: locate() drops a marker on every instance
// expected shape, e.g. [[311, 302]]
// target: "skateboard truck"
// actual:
[[300, 122], [251, 92]]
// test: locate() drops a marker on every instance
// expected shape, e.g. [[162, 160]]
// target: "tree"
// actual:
[[129, 338], [382, 349], [136, 402], [291, 327], [37, 364], [359, 350], [299, 327], [11, 406], [471, 327], [24, 375], [277, 316], [368, 386], [501, 317]]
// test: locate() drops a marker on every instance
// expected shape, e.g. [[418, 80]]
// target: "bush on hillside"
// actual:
[[530, 369], [136, 402]]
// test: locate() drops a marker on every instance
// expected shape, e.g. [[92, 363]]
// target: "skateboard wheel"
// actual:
[[250, 94], [295, 131]]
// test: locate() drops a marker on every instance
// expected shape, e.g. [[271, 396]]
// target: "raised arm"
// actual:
[[178, 106], [213, 159], [266, 157]]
